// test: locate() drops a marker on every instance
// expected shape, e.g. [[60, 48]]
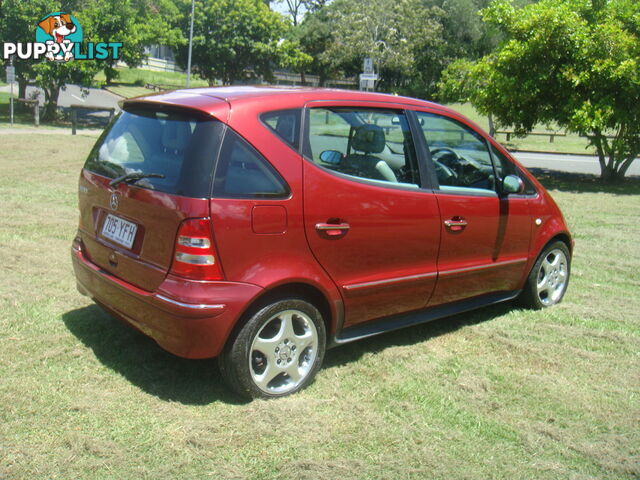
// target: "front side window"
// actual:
[[460, 156], [505, 167], [178, 147], [372, 144]]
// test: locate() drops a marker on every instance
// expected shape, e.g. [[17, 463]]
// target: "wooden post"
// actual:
[[36, 113]]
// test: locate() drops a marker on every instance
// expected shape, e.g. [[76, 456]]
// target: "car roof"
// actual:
[[235, 93], [220, 101], [205, 98]]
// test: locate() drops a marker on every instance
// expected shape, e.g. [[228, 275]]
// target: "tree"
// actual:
[[388, 31], [135, 23], [315, 34], [293, 58], [232, 39], [295, 9], [18, 21], [54, 76], [574, 63]]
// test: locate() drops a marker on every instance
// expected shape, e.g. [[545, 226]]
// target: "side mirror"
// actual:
[[512, 184], [332, 157]]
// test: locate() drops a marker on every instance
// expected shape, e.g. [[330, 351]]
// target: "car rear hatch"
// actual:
[[161, 156]]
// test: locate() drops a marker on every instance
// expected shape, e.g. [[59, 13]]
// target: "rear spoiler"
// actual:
[[181, 100]]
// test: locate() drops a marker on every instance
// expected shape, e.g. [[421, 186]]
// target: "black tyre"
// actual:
[[277, 352], [549, 277]]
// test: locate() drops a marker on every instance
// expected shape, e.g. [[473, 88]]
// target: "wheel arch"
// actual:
[[564, 237], [305, 291]]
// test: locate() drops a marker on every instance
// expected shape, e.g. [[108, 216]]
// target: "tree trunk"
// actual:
[[110, 74], [22, 88], [492, 130], [626, 164], [610, 174], [303, 79], [51, 105]]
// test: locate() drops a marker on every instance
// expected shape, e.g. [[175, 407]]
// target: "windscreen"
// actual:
[[179, 148]]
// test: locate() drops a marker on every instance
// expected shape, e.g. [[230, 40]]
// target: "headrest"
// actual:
[[368, 138], [175, 135]]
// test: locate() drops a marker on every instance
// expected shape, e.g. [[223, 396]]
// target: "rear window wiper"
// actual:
[[133, 177]]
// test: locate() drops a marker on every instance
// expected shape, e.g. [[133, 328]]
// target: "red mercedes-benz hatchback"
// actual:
[[263, 225]]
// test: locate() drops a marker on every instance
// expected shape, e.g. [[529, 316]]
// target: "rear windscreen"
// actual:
[[179, 146]]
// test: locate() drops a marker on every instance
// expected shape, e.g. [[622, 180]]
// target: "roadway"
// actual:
[[73, 95], [567, 163]]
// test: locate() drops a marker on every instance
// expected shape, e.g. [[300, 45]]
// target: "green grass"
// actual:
[[499, 393], [129, 91], [141, 77], [131, 81]]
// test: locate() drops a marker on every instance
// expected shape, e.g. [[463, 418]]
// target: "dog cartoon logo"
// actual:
[[62, 29], [59, 39]]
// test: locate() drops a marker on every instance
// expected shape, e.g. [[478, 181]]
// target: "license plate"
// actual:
[[119, 230]]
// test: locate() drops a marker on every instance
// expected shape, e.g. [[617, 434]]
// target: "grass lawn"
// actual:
[[500, 393], [141, 77], [128, 91], [131, 81], [168, 79]]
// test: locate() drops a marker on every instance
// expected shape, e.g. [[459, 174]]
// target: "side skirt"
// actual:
[[396, 322]]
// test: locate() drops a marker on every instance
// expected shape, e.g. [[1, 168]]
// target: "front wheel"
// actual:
[[549, 277], [277, 352]]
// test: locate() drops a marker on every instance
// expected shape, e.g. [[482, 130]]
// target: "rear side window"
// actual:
[[285, 124], [179, 146], [243, 173], [364, 143]]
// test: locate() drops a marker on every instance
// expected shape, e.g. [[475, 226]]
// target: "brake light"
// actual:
[[195, 255]]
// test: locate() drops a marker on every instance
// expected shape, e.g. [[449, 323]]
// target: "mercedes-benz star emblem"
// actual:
[[114, 202]]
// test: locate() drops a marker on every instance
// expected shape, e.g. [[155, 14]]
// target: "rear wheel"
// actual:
[[549, 277], [277, 352]]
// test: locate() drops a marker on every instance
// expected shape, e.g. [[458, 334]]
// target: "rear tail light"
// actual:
[[195, 255]]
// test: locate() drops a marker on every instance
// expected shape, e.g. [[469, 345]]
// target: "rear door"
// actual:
[[485, 235], [368, 219], [129, 229]]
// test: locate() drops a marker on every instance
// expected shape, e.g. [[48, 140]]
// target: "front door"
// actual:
[[485, 235], [368, 221]]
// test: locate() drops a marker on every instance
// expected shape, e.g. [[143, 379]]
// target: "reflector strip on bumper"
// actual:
[[200, 306]]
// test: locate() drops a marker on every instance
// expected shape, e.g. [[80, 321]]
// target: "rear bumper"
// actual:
[[187, 318]]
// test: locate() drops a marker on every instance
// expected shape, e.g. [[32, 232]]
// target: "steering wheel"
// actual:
[[438, 153], [445, 175], [444, 171]]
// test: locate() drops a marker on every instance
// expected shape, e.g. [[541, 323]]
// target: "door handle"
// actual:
[[455, 224], [333, 229]]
